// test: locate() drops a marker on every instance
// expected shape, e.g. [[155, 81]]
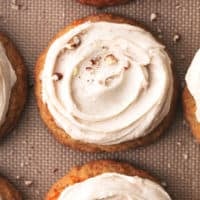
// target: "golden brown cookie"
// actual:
[[103, 3], [60, 134], [91, 169], [7, 191], [189, 108], [19, 90]]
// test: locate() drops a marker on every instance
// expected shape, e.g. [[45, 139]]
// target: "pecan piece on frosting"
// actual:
[[111, 59], [74, 42], [128, 66], [95, 60], [75, 71], [57, 76]]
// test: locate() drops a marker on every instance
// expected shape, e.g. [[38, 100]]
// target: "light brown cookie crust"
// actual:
[[103, 3], [60, 134], [91, 169], [19, 90], [7, 191], [189, 108]]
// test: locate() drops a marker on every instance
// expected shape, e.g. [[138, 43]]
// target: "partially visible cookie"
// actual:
[[103, 3], [7, 191], [104, 171], [191, 96], [189, 108], [13, 85]]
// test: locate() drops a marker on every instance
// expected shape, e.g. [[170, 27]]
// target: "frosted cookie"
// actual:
[[107, 180], [7, 191], [105, 83], [191, 96], [13, 86], [103, 3]]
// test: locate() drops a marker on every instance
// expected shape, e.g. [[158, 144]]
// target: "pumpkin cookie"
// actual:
[[7, 191], [13, 85], [107, 179], [103, 3], [191, 96], [104, 83]]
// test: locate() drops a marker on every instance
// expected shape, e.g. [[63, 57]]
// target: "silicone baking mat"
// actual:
[[33, 160]]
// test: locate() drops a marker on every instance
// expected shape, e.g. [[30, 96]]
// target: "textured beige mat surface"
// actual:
[[31, 154]]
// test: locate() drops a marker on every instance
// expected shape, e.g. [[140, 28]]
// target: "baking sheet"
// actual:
[[30, 153]]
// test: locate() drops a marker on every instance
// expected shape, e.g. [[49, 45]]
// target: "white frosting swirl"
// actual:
[[114, 186], [116, 84], [7, 81], [193, 82]]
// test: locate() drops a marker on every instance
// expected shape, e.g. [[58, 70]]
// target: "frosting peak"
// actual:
[[114, 186], [7, 81], [116, 82]]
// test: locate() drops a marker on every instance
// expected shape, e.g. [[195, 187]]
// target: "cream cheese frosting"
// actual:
[[107, 83], [114, 186], [7, 81], [193, 82]]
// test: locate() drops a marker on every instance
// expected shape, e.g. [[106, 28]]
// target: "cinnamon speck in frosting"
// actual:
[[88, 68], [100, 82], [104, 47], [128, 66]]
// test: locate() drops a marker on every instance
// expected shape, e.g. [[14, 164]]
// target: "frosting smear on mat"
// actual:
[[7, 81], [193, 82], [113, 186], [107, 83]]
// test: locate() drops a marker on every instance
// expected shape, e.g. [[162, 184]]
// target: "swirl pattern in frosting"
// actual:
[[7, 81], [114, 186], [107, 83]]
